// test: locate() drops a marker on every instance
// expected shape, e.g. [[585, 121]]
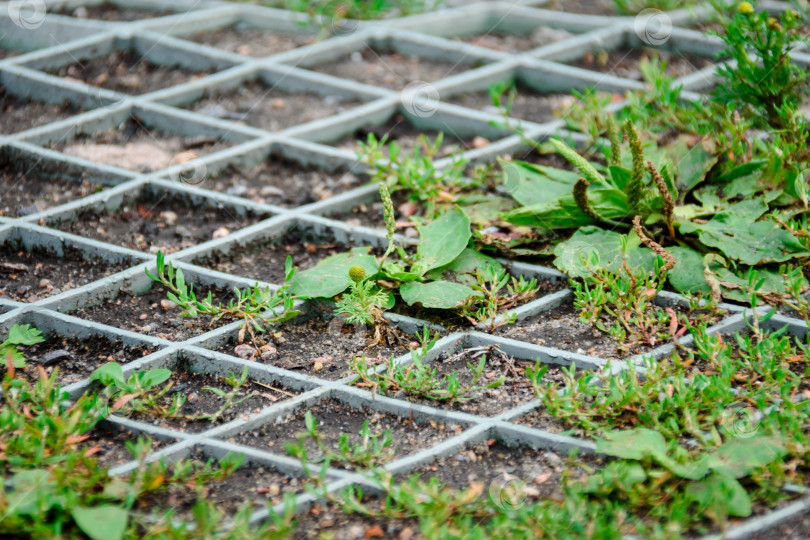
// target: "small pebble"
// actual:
[[221, 233], [143, 316]]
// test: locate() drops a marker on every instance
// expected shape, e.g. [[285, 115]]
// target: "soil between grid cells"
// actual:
[[110, 439], [241, 39], [260, 105], [795, 528], [390, 69], [335, 418], [77, 358], [128, 72], [136, 147], [626, 62], [515, 391], [329, 520], [517, 43], [145, 313], [205, 402], [265, 259], [250, 483], [493, 464], [30, 276], [406, 136], [108, 11], [320, 345], [586, 7], [165, 221], [283, 183], [20, 114]]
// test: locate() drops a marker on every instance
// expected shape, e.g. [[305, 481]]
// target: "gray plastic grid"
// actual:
[[60, 40]]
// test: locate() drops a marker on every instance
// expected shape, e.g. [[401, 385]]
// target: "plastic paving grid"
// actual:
[[46, 41]]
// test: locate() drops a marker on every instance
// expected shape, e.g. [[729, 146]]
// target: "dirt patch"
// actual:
[[390, 69], [516, 43], [284, 183], [626, 62], [127, 72], [24, 193], [252, 397], [515, 390], [406, 136], [541, 419], [796, 528], [76, 358], [586, 7], [21, 114], [264, 259], [30, 276], [336, 418], [108, 443], [538, 474], [136, 147], [329, 520], [321, 345], [164, 221], [254, 485], [371, 214], [107, 11], [240, 39], [148, 314], [261, 106]]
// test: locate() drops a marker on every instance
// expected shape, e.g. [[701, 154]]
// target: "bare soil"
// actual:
[[331, 521], [586, 7], [23, 193], [283, 183], [259, 105], [250, 42], [127, 72], [30, 276], [335, 418], [22, 114], [107, 11], [517, 43], [164, 221], [390, 69], [107, 443], [626, 62]]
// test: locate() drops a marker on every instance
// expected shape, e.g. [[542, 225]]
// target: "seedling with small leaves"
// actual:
[[19, 334]]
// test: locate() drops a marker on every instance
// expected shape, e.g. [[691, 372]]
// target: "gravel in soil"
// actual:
[[329, 520], [30, 276], [136, 147], [108, 11], [390, 69], [21, 114], [152, 314], [127, 72], [283, 183], [251, 484], [516, 389], [796, 528], [321, 345], [626, 62], [107, 443], [527, 105], [407, 137], [541, 419], [159, 221], [518, 43], [494, 466], [241, 39], [24, 193], [336, 418], [265, 259], [261, 106], [251, 398], [76, 359]]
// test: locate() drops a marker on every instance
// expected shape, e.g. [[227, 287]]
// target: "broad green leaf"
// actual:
[[687, 274], [154, 377], [736, 233], [436, 294], [531, 184], [463, 268], [642, 443], [105, 522], [740, 457], [33, 492], [693, 164], [442, 240], [23, 334], [720, 492], [573, 255], [484, 209], [331, 275], [741, 170], [109, 374], [733, 285], [17, 358]]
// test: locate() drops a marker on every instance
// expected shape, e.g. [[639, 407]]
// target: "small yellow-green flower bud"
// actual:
[[357, 273], [745, 8]]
